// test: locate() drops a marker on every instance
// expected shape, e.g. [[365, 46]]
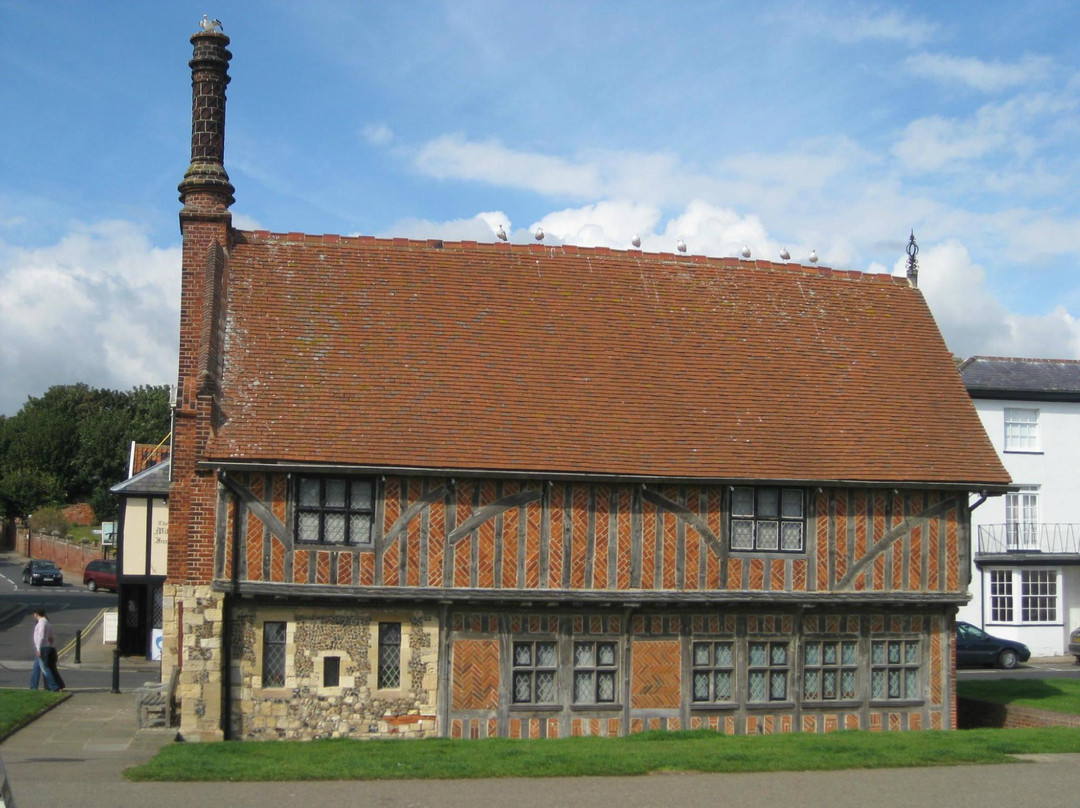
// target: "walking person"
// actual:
[[54, 664], [43, 643]]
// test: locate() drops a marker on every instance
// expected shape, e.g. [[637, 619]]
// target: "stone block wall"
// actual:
[[307, 707]]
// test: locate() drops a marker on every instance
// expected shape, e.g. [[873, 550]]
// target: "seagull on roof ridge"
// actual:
[[500, 233]]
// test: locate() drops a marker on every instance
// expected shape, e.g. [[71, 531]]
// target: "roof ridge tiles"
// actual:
[[495, 247]]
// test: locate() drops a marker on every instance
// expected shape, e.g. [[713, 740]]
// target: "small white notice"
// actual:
[[109, 625]]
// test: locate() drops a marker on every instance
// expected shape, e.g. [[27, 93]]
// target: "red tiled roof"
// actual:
[[570, 360]]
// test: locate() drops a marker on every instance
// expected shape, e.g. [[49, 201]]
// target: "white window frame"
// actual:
[[1022, 429], [1022, 519], [1009, 583]]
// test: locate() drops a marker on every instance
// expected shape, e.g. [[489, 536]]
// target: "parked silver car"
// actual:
[[1074, 643]]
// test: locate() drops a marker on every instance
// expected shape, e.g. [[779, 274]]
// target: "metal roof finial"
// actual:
[[912, 262]]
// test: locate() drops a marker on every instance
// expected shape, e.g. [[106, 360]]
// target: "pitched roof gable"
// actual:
[[566, 360]]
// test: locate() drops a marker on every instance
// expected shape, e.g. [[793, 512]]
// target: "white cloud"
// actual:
[[101, 306], [864, 26], [978, 74], [974, 322], [480, 227], [933, 143], [454, 157], [605, 224], [377, 134]]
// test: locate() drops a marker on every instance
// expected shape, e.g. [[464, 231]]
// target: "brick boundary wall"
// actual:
[[71, 557], [975, 714]]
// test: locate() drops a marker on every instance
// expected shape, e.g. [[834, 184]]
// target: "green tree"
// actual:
[[80, 437], [23, 491]]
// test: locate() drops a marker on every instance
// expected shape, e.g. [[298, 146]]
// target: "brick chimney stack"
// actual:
[[206, 187]]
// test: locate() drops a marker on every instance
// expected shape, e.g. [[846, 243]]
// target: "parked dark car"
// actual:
[[1074, 643], [100, 574], [38, 572], [975, 647]]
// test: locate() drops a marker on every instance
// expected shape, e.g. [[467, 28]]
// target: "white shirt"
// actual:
[[43, 633]]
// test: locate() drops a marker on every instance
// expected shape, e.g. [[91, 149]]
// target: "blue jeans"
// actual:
[[41, 668]]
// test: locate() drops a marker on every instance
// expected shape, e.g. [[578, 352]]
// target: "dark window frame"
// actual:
[[899, 677], [710, 668], [764, 517], [596, 672], [826, 659], [388, 675], [275, 638], [529, 669], [347, 512], [775, 668]]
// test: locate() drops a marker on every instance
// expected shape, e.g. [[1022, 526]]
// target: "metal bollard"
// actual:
[[116, 670], [78, 646]]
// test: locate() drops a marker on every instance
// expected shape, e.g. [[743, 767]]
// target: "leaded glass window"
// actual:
[[713, 672], [894, 670], [595, 671], [829, 670], [533, 675], [768, 519], [767, 673], [332, 510], [273, 654], [389, 673]]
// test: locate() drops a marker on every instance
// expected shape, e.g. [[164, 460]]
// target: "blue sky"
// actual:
[[834, 127]]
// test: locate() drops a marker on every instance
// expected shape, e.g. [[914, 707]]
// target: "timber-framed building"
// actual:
[[463, 489]]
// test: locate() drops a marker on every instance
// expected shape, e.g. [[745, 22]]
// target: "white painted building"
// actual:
[[1025, 578]]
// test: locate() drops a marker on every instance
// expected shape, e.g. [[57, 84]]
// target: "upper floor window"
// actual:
[[768, 519], [1021, 430], [334, 510], [1022, 520]]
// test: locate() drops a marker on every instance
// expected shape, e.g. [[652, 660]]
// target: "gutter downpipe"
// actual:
[[226, 626], [982, 574]]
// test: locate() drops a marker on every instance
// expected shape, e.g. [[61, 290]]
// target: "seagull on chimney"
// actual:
[[208, 24], [500, 233]]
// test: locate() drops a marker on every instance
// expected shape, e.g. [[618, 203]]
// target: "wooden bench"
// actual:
[[156, 702]]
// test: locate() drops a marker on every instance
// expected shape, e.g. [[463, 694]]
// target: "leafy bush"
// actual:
[[49, 520]]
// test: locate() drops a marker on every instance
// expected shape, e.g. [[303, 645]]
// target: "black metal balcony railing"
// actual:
[[1062, 539]]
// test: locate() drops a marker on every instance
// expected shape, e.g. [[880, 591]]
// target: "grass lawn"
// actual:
[[569, 757], [20, 706], [1058, 695], [86, 533]]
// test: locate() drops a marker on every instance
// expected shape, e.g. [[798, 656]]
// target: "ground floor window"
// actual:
[[594, 672], [1001, 596], [829, 670], [273, 654], [389, 674], [534, 665], [1023, 595], [767, 672], [894, 670], [714, 672]]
